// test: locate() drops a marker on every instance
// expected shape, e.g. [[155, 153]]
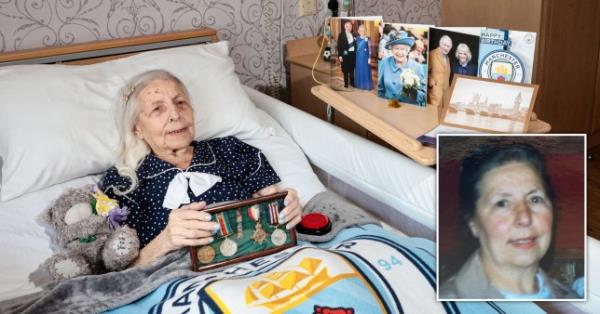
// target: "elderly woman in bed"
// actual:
[[508, 204], [166, 178]]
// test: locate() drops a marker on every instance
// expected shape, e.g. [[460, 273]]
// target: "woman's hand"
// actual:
[[189, 226], [292, 213]]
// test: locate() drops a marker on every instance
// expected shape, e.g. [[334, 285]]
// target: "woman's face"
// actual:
[[419, 46], [361, 30], [400, 53], [513, 217], [462, 57], [166, 118]]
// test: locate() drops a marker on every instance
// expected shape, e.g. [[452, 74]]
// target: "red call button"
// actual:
[[314, 224]]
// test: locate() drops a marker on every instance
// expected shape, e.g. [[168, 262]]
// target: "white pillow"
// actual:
[[286, 157], [56, 121]]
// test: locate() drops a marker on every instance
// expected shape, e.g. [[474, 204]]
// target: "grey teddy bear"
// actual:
[[88, 235]]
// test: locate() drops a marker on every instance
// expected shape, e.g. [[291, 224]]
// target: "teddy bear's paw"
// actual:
[[66, 267], [58, 268], [121, 248]]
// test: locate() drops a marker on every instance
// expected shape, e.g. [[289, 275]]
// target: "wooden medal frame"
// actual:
[[247, 247]]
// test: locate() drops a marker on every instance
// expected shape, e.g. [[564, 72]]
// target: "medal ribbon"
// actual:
[[273, 213], [238, 218], [224, 226], [254, 212]]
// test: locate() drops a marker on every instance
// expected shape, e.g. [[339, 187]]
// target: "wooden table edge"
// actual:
[[424, 155]]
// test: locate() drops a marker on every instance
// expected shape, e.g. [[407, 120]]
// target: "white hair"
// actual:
[[133, 149], [462, 47], [446, 38]]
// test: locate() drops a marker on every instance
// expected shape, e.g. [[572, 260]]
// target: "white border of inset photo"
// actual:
[[458, 154]]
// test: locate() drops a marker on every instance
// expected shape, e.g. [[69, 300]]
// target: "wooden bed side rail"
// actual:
[[106, 49]]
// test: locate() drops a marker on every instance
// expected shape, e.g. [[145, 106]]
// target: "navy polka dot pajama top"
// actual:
[[243, 168]]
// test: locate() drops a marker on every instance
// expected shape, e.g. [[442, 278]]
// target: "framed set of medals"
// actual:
[[247, 229]]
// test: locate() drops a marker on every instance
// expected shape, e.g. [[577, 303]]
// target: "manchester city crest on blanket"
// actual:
[[358, 273], [309, 274], [247, 229]]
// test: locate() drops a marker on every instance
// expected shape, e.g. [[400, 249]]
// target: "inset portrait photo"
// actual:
[[511, 217]]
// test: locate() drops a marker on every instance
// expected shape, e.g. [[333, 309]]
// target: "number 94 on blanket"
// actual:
[[247, 229]]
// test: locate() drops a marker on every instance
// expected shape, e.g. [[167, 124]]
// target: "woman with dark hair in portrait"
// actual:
[[507, 202]]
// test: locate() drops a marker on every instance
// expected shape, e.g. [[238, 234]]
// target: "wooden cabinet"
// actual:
[[567, 65]]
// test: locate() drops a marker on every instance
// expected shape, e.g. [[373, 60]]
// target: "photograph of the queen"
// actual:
[[401, 77]]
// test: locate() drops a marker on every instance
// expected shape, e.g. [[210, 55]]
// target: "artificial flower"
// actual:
[[104, 204]]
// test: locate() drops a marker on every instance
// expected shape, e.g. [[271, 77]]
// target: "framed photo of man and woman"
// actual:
[[354, 50], [451, 52]]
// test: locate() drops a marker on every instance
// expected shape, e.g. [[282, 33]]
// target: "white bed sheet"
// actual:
[[385, 175], [592, 305], [23, 239]]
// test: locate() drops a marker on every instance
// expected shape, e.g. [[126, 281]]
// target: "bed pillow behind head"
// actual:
[[56, 121]]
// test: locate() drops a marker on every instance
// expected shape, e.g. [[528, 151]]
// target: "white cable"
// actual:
[[312, 70]]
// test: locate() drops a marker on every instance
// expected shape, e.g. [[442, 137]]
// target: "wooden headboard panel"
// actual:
[[93, 52]]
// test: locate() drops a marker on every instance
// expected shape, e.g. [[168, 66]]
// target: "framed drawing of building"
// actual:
[[489, 105]]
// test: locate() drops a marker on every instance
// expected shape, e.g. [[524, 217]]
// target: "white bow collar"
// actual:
[[198, 182]]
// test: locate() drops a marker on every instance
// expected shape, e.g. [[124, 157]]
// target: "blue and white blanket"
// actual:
[[362, 270]]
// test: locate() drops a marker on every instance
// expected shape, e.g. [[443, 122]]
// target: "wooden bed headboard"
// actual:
[[98, 51]]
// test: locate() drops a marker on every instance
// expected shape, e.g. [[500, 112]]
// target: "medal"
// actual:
[[259, 234], [240, 228], [278, 237], [273, 213], [228, 247], [206, 254], [254, 212]]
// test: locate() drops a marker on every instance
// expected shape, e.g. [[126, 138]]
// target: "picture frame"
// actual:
[[464, 39], [402, 72], [487, 105], [564, 260], [351, 57], [247, 229]]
